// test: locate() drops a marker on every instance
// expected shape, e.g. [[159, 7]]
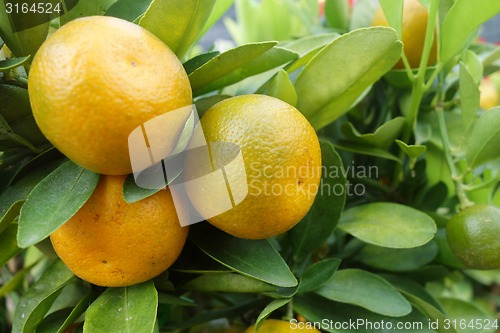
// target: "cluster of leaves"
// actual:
[[380, 255]]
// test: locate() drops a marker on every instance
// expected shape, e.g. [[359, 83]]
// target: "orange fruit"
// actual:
[[112, 243], [281, 154], [473, 236], [489, 95], [95, 80], [414, 26], [280, 326]]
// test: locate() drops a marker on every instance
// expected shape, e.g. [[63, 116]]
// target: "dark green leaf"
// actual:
[[12, 63], [86, 8], [397, 260], [322, 100], [228, 282], [194, 63], [14, 103], [270, 308], [383, 137], [254, 258], [128, 10], [367, 290], [54, 201], [33, 306], [366, 150], [133, 193], [461, 22], [14, 282], [127, 310], [8, 244], [482, 144], [466, 312], [388, 225], [164, 298], [412, 151], [177, 23], [325, 213], [318, 274]]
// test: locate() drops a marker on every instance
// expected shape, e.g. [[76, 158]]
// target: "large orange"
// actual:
[[282, 166], [112, 243], [414, 26], [95, 80]]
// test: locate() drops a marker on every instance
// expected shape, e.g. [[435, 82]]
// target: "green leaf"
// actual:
[[12, 63], [128, 310], [316, 309], [367, 290], [474, 66], [8, 244], [307, 47], [164, 298], [86, 8], [14, 103], [318, 274], [383, 137], [463, 19], [465, 312], [393, 12], [220, 8], [228, 282], [270, 308], [13, 197], [128, 10], [321, 99], [205, 103], [282, 88], [388, 225], [177, 23], [469, 96], [254, 258], [337, 14], [318, 224], [54, 201], [194, 63], [133, 193], [482, 144], [412, 151], [397, 260], [14, 282], [366, 150], [237, 64], [23, 42], [36, 302]]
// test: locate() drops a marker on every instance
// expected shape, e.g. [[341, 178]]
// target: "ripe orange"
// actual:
[[95, 80], [489, 94], [112, 243], [282, 166], [280, 326], [413, 32], [473, 236]]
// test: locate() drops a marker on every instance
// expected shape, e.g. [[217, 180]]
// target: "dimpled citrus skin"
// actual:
[[95, 80], [112, 243], [282, 159], [278, 326], [473, 236], [414, 27]]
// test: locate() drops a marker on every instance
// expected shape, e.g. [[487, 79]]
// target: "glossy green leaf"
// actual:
[[318, 224], [365, 150], [319, 273], [337, 14], [8, 244], [36, 302], [205, 103], [412, 151], [321, 99], [133, 193], [307, 47], [388, 225], [463, 19], [270, 308], [282, 88], [383, 137], [482, 144], [54, 201], [316, 309], [237, 64], [23, 42], [464, 313], [254, 258], [367, 290], [53, 321], [12, 63], [13, 197], [469, 96], [393, 11], [127, 310], [194, 63], [397, 260], [128, 10], [86, 8], [228, 282], [177, 23]]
